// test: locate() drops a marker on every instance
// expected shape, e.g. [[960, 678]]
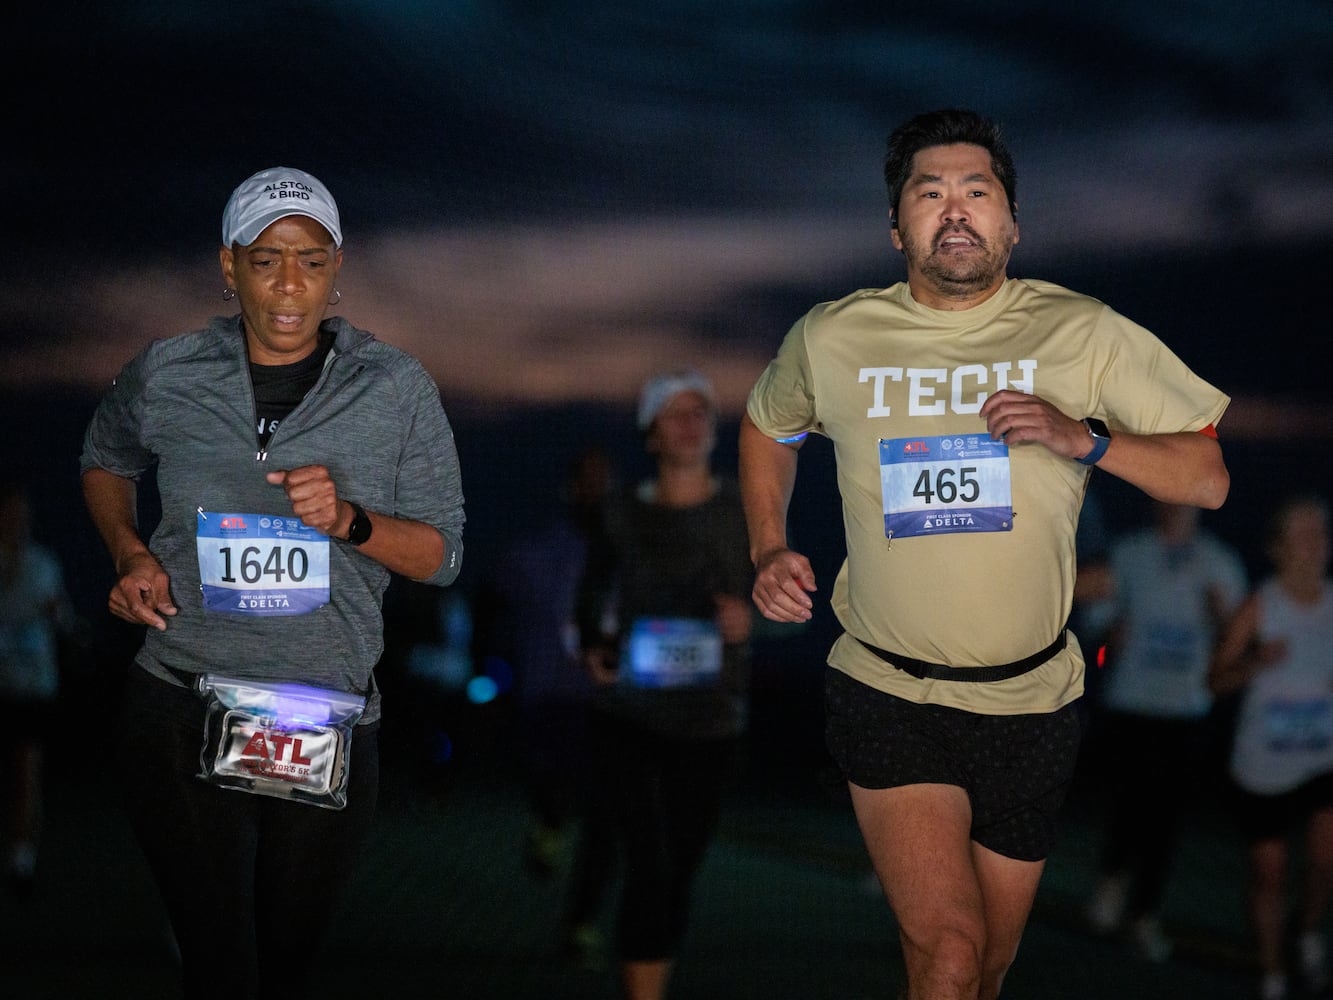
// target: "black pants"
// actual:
[[1151, 766], [663, 797], [250, 882]]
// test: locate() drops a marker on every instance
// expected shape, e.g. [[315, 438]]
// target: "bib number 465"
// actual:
[[945, 488]]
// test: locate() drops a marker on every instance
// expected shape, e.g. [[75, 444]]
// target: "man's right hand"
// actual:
[[783, 581], [142, 595]]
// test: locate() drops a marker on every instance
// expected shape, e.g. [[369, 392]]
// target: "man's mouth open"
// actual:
[[956, 241]]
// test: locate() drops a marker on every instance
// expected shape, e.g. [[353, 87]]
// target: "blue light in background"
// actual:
[[481, 690]]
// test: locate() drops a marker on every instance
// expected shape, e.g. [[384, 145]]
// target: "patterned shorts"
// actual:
[[1015, 769]]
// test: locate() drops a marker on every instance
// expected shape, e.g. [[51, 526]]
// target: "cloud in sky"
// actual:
[[544, 202], [545, 314]]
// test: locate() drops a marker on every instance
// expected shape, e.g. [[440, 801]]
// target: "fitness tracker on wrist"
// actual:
[[360, 527], [1101, 440]]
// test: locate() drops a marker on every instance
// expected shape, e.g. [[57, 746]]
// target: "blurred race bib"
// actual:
[[672, 652]]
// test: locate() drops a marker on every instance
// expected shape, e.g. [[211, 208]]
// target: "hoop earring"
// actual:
[[228, 294], [337, 297]]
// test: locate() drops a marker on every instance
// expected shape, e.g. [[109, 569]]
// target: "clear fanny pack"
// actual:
[[288, 741]]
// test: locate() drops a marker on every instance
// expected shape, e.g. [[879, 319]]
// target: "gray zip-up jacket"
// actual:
[[185, 405]]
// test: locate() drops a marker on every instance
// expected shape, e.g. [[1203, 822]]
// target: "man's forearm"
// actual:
[[1185, 468], [768, 476]]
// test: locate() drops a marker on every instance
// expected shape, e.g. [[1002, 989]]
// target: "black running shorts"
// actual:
[[1015, 769]]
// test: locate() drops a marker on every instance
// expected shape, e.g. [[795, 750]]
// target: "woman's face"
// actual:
[[283, 282], [685, 429]]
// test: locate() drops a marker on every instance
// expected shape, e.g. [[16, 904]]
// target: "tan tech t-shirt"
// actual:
[[920, 579]]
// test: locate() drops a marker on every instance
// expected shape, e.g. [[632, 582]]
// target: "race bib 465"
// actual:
[[943, 485]]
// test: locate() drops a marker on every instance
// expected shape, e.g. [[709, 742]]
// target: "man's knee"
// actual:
[[994, 967], [947, 962]]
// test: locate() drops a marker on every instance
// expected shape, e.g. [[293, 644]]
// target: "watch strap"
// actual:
[[359, 530], [1101, 440]]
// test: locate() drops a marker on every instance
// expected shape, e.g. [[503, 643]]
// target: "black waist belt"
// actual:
[[922, 670]]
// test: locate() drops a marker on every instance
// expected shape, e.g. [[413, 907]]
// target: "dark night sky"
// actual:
[[547, 183], [547, 202]]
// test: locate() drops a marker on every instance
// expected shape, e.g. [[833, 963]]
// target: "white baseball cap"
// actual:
[[273, 194], [659, 391]]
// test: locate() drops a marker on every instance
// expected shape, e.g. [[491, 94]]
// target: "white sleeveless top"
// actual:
[[1284, 732]]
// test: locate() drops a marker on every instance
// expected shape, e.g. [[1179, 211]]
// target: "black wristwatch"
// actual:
[[1101, 440], [360, 527]]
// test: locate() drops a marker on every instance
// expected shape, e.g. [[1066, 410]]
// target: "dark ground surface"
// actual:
[[443, 906]]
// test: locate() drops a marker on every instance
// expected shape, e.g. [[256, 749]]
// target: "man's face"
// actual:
[[954, 226]]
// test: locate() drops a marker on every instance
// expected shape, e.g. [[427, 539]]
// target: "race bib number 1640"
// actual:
[[258, 564]]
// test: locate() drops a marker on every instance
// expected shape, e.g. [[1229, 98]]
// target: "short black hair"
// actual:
[[944, 128]]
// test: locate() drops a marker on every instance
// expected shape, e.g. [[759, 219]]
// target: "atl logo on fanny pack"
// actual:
[[266, 749]]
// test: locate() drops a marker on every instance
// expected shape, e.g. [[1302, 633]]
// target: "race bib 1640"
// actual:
[[258, 564]]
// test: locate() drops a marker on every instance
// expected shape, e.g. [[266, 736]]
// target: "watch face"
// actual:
[[1097, 427], [359, 530]]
